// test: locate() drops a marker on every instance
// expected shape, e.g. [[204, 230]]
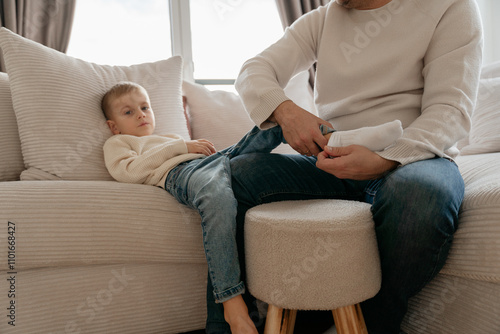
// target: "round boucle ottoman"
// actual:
[[312, 255]]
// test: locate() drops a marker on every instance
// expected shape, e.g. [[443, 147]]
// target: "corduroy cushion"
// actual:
[[72, 223], [11, 164], [312, 255], [484, 136], [218, 116], [475, 249], [57, 100]]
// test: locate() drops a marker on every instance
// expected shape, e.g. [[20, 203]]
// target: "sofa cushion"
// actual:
[[57, 99], [11, 164], [145, 298], [75, 223], [220, 116], [475, 251], [484, 136]]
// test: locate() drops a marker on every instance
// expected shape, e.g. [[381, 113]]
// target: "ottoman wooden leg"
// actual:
[[349, 320], [279, 321], [288, 321]]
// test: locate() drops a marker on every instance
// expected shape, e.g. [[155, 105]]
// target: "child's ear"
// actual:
[[112, 126]]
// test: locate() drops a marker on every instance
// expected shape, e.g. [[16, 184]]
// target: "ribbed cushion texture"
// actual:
[[57, 99], [11, 164], [108, 299], [484, 136], [312, 255], [475, 251], [72, 237], [454, 305], [464, 297], [76, 223]]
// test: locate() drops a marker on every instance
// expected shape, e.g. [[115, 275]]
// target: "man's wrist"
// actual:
[[391, 165], [277, 114]]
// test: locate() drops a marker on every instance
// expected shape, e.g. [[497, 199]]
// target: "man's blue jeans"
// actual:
[[205, 185], [415, 209]]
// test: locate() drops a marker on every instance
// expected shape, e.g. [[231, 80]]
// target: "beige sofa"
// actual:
[[91, 255]]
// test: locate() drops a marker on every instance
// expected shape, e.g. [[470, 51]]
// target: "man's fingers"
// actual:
[[337, 151]]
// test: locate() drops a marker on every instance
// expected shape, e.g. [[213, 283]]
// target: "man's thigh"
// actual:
[[428, 188], [415, 211], [265, 177]]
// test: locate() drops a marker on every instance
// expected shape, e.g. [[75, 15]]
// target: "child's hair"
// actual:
[[116, 91]]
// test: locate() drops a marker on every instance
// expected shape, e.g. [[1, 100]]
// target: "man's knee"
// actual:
[[423, 194], [436, 182]]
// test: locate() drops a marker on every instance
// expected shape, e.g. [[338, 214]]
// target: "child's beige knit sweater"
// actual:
[[413, 60], [146, 159]]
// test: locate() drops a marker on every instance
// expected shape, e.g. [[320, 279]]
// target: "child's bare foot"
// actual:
[[236, 315], [328, 135]]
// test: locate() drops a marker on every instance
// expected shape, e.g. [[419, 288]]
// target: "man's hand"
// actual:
[[200, 146], [354, 162], [300, 128]]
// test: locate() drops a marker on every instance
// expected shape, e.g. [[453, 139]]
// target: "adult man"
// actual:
[[376, 61]]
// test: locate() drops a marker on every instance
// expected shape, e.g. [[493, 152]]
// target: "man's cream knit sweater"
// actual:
[[146, 159], [413, 60]]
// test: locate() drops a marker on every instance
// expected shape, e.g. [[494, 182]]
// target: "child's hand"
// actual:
[[200, 146]]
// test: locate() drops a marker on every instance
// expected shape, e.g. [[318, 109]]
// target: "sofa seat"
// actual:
[[101, 256], [464, 296], [476, 248]]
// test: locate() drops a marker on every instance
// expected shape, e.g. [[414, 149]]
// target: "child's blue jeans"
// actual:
[[205, 185]]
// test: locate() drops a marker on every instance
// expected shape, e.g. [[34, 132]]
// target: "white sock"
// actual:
[[375, 138]]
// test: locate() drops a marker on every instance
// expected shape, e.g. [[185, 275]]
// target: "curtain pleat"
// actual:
[[290, 10], [48, 22]]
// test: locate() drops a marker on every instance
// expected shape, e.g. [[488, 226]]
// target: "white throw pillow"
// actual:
[[484, 136], [57, 100], [11, 163], [220, 116], [491, 70]]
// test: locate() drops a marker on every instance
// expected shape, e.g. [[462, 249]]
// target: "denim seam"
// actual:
[[382, 180], [229, 293]]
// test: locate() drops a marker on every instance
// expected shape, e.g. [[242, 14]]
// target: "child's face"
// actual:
[[131, 114]]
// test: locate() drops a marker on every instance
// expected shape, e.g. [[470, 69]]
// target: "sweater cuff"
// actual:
[[268, 103], [405, 154]]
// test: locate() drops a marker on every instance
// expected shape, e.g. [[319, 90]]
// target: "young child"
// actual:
[[195, 174]]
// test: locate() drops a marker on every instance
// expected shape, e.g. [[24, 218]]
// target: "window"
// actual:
[[118, 32], [225, 33], [214, 37]]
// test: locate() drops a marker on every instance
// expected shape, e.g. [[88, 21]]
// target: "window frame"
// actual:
[[180, 35]]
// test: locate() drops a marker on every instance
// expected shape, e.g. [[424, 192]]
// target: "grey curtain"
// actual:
[[290, 10], [48, 22]]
